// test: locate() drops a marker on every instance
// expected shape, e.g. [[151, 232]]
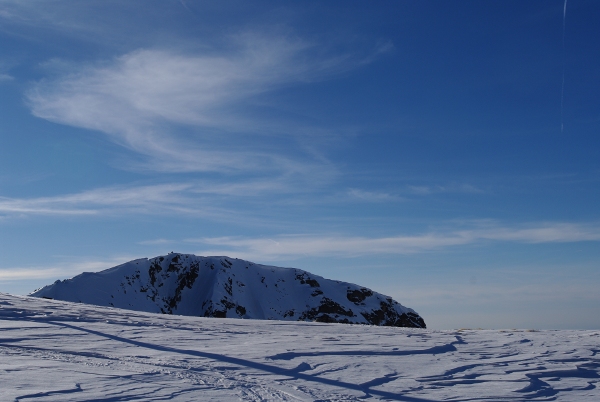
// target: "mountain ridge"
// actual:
[[221, 286]]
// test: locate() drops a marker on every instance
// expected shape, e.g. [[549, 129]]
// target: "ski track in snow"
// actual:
[[59, 351]]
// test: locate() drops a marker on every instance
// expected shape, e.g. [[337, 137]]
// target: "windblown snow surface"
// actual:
[[61, 351]]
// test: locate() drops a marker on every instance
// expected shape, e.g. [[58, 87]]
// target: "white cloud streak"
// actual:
[[309, 246], [295, 246], [140, 98], [449, 188], [198, 199], [372, 196], [192, 199], [155, 242], [57, 270], [142, 199], [549, 233]]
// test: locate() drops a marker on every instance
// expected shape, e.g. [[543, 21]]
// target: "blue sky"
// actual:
[[411, 147]]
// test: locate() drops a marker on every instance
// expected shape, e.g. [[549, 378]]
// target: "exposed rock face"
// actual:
[[230, 288]]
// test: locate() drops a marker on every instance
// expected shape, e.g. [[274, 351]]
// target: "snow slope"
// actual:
[[230, 288], [58, 351]]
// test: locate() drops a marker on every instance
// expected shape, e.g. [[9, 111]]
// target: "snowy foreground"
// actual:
[[59, 351]]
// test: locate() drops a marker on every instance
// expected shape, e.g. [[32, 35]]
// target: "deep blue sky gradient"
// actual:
[[412, 147]]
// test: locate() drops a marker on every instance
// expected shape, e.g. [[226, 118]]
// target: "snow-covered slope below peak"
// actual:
[[186, 284], [59, 351]]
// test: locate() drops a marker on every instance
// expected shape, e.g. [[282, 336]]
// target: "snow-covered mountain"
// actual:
[[226, 287]]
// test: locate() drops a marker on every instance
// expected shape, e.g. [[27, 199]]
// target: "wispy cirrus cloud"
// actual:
[[544, 233], [155, 242], [135, 199], [5, 67], [59, 269], [194, 199], [144, 98], [448, 188], [274, 248], [294, 246], [372, 196], [414, 190]]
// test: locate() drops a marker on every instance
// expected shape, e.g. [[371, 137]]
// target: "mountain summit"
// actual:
[[222, 287]]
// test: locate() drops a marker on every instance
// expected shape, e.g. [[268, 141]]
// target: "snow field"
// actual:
[[60, 351]]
